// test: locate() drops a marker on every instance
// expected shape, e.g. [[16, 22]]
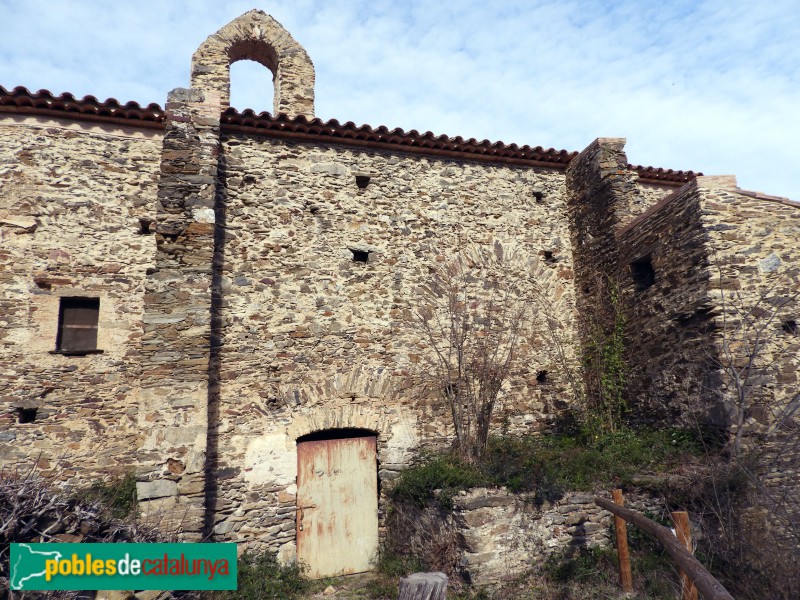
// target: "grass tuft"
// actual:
[[446, 473], [262, 577], [548, 465], [117, 497]]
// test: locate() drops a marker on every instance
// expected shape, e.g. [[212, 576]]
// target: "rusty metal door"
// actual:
[[337, 505]]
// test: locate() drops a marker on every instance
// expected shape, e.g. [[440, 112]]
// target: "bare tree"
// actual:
[[749, 499], [749, 351], [473, 317]]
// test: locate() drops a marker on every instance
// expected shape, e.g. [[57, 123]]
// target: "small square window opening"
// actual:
[[146, 226], [26, 415], [77, 325], [643, 273], [361, 256]]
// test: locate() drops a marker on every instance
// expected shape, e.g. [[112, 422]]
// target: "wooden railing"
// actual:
[[692, 571]]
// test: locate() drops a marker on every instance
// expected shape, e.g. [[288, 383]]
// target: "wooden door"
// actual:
[[337, 505]]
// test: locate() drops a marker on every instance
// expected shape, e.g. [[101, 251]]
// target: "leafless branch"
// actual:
[[472, 322]]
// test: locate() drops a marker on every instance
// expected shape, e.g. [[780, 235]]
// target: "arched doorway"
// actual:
[[337, 501]]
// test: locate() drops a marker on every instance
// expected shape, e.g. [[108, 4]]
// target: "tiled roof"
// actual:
[[663, 176], [428, 142], [44, 102], [21, 100]]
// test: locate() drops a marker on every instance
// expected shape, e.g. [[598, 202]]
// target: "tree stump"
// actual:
[[423, 586]]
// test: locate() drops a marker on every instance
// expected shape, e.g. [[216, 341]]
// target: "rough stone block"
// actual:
[[160, 488], [472, 503]]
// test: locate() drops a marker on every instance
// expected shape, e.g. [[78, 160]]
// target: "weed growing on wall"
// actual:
[[604, 364], [598, 379], [117, 497]]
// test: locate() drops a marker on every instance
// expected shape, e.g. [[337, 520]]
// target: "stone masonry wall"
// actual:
[[670, 352], [593, 180], [755, 288], [632, 205], [601, 194], [505, 534], [314, 340], [717, 254], [754, 264], [255, 289], [257, 36], [183, 325], [76, 201], [654, 252]]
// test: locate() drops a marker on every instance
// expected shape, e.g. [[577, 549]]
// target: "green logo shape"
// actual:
[[123, 567]]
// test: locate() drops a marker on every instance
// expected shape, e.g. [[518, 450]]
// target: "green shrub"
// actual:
[[548, 465], [593, 573], [116, 497], [446, 473], [262, 577], [392, 564], [469, 594], [580, 564], [381, 589]]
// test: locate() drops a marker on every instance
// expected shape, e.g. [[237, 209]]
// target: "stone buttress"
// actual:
[[180, 347]]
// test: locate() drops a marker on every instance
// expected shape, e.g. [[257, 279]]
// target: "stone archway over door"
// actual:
[[337, 505]]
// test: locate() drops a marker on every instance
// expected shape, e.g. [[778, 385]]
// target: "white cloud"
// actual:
[[709, 85]]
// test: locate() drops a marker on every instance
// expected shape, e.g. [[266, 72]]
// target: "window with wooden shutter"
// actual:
[[77, 325]]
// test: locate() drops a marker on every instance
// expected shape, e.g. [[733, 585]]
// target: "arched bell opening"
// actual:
[[244, 94], [257, 37]]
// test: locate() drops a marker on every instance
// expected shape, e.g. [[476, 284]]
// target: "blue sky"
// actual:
[[711, 86]]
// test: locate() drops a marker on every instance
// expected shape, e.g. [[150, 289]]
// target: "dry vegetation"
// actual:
[[31, 511]]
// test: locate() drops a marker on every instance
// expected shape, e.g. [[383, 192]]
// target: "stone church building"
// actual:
[[223, 302]]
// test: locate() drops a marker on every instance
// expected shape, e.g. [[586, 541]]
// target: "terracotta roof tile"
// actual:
[[654, 175], [21, 100], [413, 140], [43, 101]]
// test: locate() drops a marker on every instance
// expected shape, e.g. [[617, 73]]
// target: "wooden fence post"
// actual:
[[621, 528], [683, 532], [706, 584]]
